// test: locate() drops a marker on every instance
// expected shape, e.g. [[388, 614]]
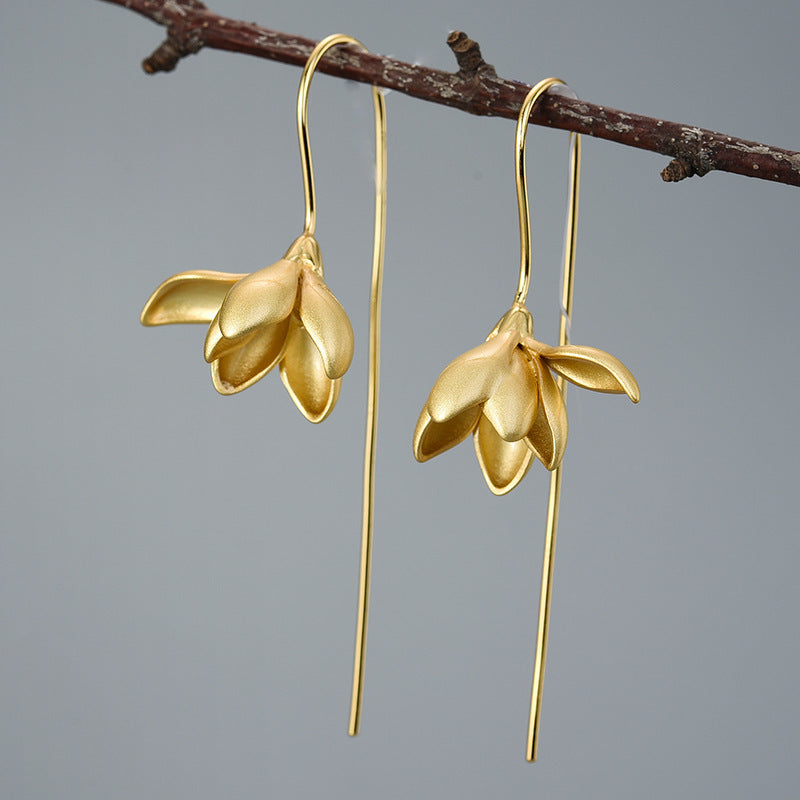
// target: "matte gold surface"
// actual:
[[326, 324], [286, 315], [506, 384], [588, 367], [260, 299], [548, 434], [188, 297], [471, 378], [504, 464], [505, 394], [304, 375], [432, 438], [250, 330], [512, 406], [239, 363]]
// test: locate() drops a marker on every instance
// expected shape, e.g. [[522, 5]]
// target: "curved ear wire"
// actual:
[[522, 189], [554, 498], [374, 337]]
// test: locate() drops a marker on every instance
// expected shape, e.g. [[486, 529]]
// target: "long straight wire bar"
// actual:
[[372, 411], [378, 249], [555, 476]]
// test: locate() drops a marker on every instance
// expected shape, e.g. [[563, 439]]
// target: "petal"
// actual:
[[303, 374], [326, 323], [503, 463], [188, 297], [512, 407], [249, 360], [432, 438], [216, 345], [262, 298], [472, 377], [588, 367], [548, 434]]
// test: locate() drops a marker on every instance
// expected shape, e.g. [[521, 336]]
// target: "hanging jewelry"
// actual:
[[504, 394], [286, 315]]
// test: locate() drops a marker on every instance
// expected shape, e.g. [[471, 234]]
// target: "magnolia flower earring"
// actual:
[[286, 315], [504, 394]]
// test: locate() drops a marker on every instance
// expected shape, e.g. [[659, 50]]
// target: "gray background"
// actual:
[[178, 569]]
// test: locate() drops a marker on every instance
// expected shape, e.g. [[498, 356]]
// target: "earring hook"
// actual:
[[374, 343], [302, 120], [522, 190]]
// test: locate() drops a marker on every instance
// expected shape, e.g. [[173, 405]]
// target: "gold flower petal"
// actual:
[[262, 298], [188, 297], [548, 434], [471, 378], [216, 345], [432, 438], [237, 368], [326, 323], [512, 406], [503, 463], [588, 367], [304, 376]]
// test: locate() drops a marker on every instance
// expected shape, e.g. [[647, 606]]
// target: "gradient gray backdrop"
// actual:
[[178, 569]]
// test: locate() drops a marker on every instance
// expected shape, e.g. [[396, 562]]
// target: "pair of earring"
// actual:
[[502, 392]]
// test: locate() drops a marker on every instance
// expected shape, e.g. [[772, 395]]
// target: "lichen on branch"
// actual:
[[474, 88]]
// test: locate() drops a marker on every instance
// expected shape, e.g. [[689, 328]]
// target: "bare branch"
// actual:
[[475, 88]]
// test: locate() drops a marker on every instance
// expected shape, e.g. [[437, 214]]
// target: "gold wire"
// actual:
[[372, 412], [374, 337], [555, 476], [522, 191], [306, 166]]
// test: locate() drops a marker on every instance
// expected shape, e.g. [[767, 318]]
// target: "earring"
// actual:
[[503, 392], [286, 315]]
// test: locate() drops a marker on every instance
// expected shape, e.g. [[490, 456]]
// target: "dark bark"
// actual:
[[475, 88]]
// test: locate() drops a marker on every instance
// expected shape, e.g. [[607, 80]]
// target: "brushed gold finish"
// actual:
[[188, 297], [285, 315], [504, 463], [254, 319], [504, 392], [304, 376], [504, 388]]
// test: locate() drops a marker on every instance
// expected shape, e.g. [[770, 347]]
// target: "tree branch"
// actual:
[[475, 88]]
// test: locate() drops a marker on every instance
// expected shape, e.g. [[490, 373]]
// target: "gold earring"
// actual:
[[504, 394], [286, 315]]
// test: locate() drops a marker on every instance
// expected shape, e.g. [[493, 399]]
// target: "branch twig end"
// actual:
[[164, 58], [468, 55], [677, 170]]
